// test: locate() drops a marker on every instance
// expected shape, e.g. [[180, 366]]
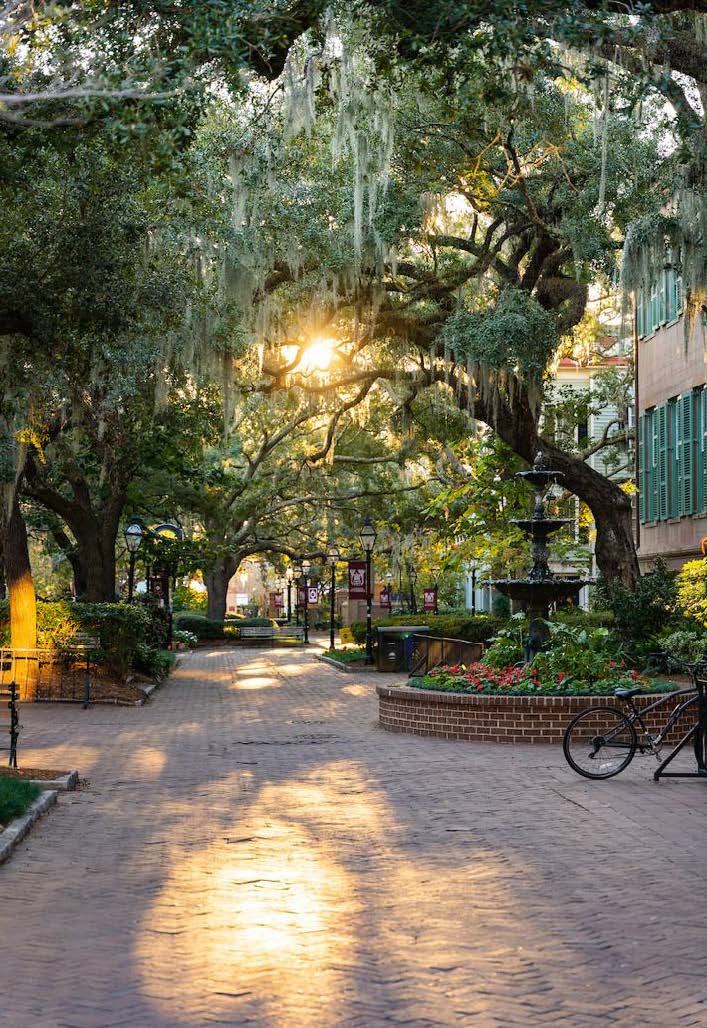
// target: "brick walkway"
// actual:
[[252, 849]]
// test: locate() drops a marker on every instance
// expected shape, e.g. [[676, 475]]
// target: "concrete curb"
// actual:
[[66, 783], [367, 668], [15, 832]]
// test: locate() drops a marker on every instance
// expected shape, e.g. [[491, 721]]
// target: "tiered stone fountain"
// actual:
[[541, 588]]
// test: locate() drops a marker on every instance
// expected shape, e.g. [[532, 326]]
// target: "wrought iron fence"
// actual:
[[429, 652], [45, 674]]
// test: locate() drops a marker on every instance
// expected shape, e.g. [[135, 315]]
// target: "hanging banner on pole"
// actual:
[[312, 595], [357, 580], [301, 595], [386, 597], [430, 599]]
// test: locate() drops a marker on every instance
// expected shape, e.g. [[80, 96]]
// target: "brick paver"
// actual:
[[252, 849]]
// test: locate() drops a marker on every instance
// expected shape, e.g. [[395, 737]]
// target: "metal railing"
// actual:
[[430, 651]]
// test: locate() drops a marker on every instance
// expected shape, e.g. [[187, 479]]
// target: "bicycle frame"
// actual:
[[674, 716]]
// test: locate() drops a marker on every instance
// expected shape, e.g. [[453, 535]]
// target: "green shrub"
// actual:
[[355, 655], [258, 622], [585, 618], [179, 635], [185, 598], [153, 662], [685, 646], [448, 626], [120, 627], [643, 612], [202, 627], [16, 796], [692, 591]]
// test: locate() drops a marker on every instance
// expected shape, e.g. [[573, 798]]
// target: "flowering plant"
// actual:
[[524, 680]]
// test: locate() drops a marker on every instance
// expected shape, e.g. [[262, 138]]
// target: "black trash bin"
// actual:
[[395, 646]]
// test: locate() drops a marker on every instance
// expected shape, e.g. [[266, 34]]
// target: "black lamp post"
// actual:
[[435, 573], [367, 535], [289, 575], [305, 582], [389, 591], [332, 556], [133, 539], [473, 590], [298, 582], [412, 575]]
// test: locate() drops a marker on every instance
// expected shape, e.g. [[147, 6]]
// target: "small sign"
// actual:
[[346, 636], [357, 580]]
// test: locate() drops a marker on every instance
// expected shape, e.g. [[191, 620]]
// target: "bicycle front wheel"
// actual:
[[599, 742]]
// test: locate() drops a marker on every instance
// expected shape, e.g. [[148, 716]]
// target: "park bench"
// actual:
[[267, 633]]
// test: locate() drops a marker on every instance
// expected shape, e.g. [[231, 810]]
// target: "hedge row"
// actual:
[[128, 633], [206, 628], [471, 628]]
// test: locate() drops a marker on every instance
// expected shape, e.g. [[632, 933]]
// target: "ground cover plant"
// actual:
[[15, 798], [529, 680], [348, 654]]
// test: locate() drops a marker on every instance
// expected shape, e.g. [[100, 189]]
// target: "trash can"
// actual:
[[395, 646]]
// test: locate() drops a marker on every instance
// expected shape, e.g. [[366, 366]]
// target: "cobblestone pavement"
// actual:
[[250, 848]]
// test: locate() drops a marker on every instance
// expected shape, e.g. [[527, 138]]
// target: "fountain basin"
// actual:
[[539, 594]]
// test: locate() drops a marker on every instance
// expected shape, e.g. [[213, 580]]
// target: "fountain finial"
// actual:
[[539, 462]]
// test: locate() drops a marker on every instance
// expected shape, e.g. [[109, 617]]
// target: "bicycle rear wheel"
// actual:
[[599, 742]]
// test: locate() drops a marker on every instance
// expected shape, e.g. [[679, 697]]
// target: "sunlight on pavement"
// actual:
[[148, 761], [267, 922], [264, 918], [256, 683]]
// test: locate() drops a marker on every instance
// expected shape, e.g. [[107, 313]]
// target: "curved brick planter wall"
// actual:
[[528, 719]]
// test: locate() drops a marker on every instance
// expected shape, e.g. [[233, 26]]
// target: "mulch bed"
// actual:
[[38, 774], [68, 684]]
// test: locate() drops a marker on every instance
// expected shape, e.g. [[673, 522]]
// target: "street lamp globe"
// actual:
[[332, 555], [306, 567], [368, 536], [289, 574], [133, 536]]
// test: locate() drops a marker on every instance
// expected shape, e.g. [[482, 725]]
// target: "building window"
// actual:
[[659, 303], [672, 458]]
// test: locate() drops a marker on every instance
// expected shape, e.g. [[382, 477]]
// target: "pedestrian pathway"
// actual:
[[251, 849]]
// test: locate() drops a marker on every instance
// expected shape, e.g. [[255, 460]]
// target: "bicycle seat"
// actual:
[[626, 694]]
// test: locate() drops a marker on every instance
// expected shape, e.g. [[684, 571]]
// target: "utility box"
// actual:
[[395, 646]]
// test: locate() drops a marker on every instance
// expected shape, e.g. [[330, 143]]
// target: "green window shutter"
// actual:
[[686, 461], [641, 468], [678, 294], [640, 311], [672, 429], [654, 307], [662, 463], [670, 295], [699, 449], [662, 300], [702, 463], [653, 508]]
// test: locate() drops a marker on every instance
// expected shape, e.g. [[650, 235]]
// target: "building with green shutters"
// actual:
[[671, 400]]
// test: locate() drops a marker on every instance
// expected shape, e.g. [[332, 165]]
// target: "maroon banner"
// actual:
[[300, 595], [159, 584], [430, 599], [357, 580], [386, 597]]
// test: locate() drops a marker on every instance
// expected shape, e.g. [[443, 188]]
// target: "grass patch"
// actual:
[[348, 655], [15, 797]]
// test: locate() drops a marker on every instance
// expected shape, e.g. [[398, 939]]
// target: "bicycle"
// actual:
[[600, 742]]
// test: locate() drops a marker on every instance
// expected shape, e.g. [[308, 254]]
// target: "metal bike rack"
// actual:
[[697, 736]]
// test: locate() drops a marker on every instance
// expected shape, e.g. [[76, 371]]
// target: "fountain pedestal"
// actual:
[[541, 588]]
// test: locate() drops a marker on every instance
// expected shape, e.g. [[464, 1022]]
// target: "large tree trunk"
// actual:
[[23, 602], [216, 579], [610, 506]]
